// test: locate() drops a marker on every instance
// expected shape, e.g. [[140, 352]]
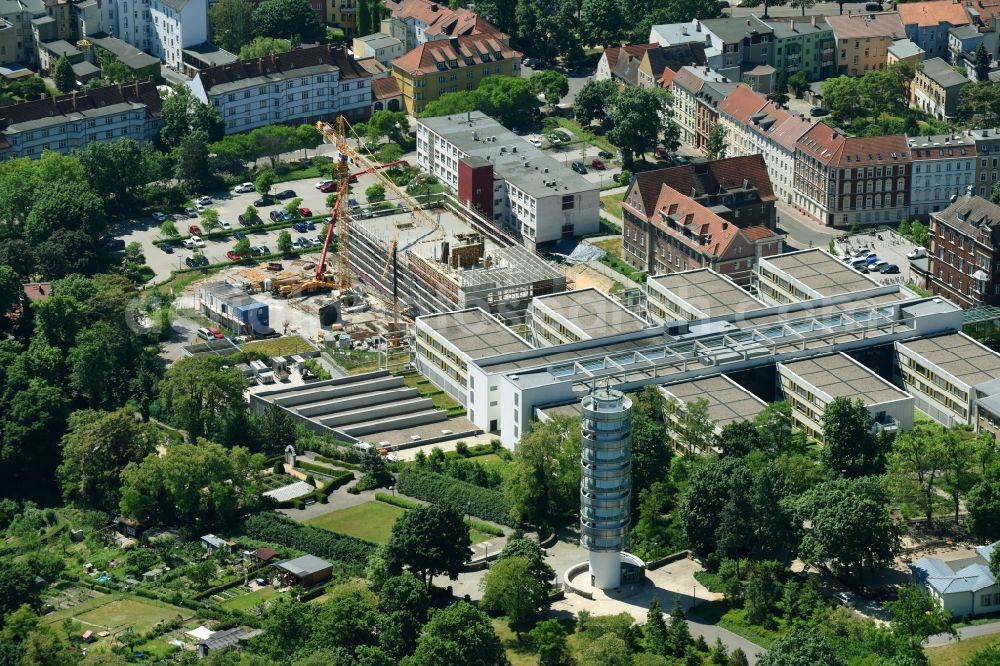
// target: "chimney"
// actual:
[[791, 25], [748, 21], [697, 25], [725, 225], [434, 6], [814, 21]]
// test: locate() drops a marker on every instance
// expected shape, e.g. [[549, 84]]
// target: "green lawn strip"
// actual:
[[289, 344], [519, 653], [580, 134], [613, 203], [710, 580], [619, 266], [733, 619], [117, 612], [610, 245], [371, 521], [959, 652], [247, 601]]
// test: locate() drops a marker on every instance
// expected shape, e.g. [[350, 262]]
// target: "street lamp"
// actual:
[[393, 489]]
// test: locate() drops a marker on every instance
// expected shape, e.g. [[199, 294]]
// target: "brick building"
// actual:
[[840, 181], [965, 252]]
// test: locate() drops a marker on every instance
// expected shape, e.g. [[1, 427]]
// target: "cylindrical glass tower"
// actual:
[[606, 484]]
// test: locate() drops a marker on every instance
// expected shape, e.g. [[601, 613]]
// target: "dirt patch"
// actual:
[[583, 277]]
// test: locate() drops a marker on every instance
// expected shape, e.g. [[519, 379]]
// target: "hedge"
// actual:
[[338, 463], [465, 497], [405, 503], [313, 467], [346, 550], [334, 483]]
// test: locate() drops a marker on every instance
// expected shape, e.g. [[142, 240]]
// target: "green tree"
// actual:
[[284, 242], [200, 574], [63, 75], [852, 447], [920, 234], [210, 219], [801, 647], [545, 27], [182, 113], [803, 5], [242, 247], [766, 4], [117, 171], [696, 431], [458, 635], [64, 205], [10, 288], [500, 13], [511, 590], [606, 650], [265, 181], [288, 19], [17, 586], [544, 479], [729, 576], [717, 144], [959, 453], [641, 116], [738, 439], [389, 152], [508, 99], [650, 453], [592, 100], [842, 96], [995, 195], [851, 525], [916, 463], [739, 658], [538, 568], [264, 46], [678, 634], [430, 540], [364, 19], [763, 591], [201, 396], [450, 104], [982, 63], [915, 615], [549, 638], [390, 124], [979, 104], [983, 506], [375, 192], [232, 23], [602, 23], [655, 631], [550, 84], [798, 83], [192, 161], [774, 427], [250, 213]]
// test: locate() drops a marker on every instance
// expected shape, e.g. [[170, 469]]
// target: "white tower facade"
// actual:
[[606, 484]]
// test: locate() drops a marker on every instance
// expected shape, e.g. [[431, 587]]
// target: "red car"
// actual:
[[661, 151], [195, 229], [329, 187], [305, 212], [597, 164], [216, 333], [232, 256], [353, 178]]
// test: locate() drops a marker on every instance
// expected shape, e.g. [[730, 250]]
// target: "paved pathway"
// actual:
[[965, 632]]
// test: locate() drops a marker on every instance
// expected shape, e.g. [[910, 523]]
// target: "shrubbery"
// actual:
[[463, 497], [348, 551]]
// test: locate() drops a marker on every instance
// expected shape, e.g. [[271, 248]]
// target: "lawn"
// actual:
[[283, 346], [610, 245], [371, 521], [519, 653], [580, 134], [613, 204], [116, 613], [250, 599], [956, 654]]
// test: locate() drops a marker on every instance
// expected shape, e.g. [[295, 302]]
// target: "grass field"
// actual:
[[116, 613], [956, 654], [613, 203], [289, 344], [249, 600], [610, 245], [372, 521]]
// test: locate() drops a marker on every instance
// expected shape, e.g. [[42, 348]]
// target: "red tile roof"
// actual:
[[326, 54], [759, 232], [668, 78], [441, 20], [878, 24], [438, 55], [829, 146], [986, 9], [927, 14], [136, 92], [37, 291], [635, 50], [742, 103], [385, 88]]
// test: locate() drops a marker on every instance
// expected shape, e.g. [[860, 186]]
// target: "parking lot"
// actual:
[[887, 245], [230, 206], [567, 154]]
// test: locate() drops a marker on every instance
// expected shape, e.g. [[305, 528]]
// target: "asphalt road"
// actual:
[[965, 632]]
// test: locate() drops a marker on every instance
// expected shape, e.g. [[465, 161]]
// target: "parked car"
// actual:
[[578, 167], [322, 183], [329, 186], [305, 212], [285, 194], [239, 235], [818, 111], [301, 241], [167, 247], [660, 151], [192, 212], [255, 251], [316, 242], [204, 333], [917, 253], [605, 155], [597, 164], [195, 230], [845, 598], [301, 227], [243, 188], [266, 200], [275, 215], [529, 62], [246, 221], [232, 256], [536, 142], [877, 265], [160, 216], [204, 201], [889, 269], [199, 209], [225, 226], [873, 7], [215, 332], [264, 249]]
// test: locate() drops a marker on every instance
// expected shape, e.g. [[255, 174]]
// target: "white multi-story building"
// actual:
[[301, 85], [943, 167], [534, 196], [163, 28], [583, 314], [70, 122]]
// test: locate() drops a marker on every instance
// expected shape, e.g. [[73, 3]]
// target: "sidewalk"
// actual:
[[938, 640]]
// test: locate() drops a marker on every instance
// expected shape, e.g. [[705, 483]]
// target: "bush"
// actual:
[[311, 480], [278, 468], [462, 449], [272, 528], [463, 497], [312, 467]]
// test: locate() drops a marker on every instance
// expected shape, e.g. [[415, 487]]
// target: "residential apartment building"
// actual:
[[8, 42], [948, 375], [988, 154], [755, 126], [943, 167], [378, 45], [302, 85], [965, 252], [69, 122], [680, 234], [964, 40], [512, 184], [644, 64], [162, 28], [810, 385], [577, 315], [343, 13], [804, 45], [840, 181], [459, 63], [936, 86], [697, 92], [904, 50], [617, 61], [863, 40], [726, 402], [928, 23], [416, 22], [736, 44]]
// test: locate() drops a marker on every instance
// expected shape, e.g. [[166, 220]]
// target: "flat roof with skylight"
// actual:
[[728, 402], [820, 272], [958, 355], [707, 292], [475, 333], [592, 311]]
